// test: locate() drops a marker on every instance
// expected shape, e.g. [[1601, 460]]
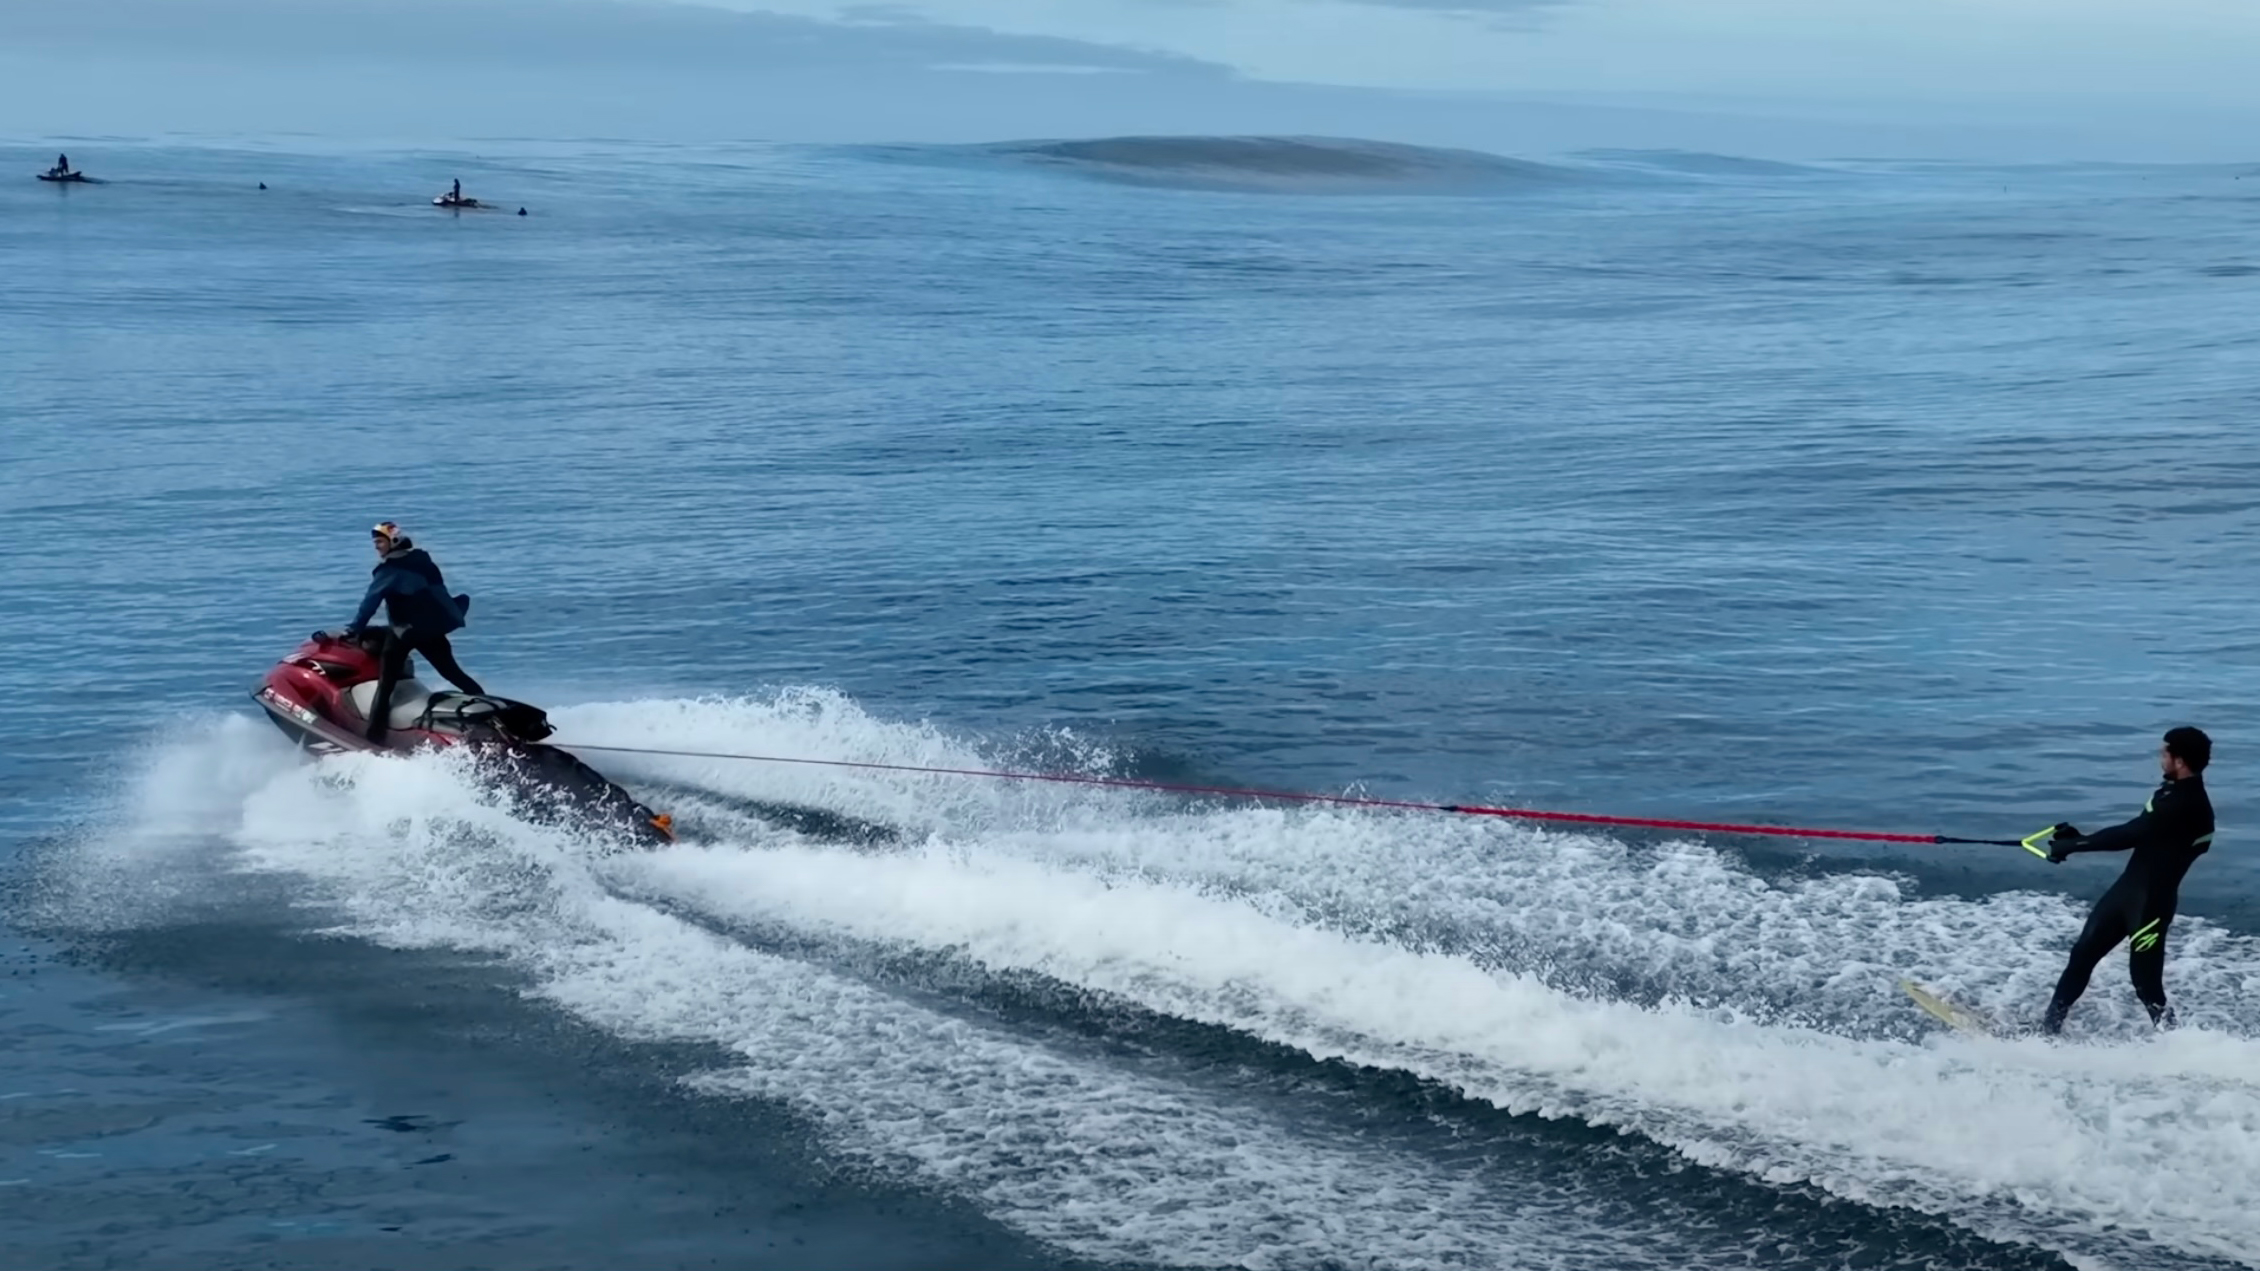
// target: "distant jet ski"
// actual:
[[455, 198], [61, 171], [320, 695]]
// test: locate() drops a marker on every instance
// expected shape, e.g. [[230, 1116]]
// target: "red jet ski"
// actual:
[[320, 697]]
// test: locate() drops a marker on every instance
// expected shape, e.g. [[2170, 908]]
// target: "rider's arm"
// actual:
[[379, 586], [2118, 838]]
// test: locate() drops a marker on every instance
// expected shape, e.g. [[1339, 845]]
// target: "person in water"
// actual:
[[2175, 828], [422, 613]]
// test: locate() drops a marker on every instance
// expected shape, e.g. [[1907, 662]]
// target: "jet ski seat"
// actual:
[[409, 697]]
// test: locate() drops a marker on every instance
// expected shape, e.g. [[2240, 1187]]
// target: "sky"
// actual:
[[2162, 80]]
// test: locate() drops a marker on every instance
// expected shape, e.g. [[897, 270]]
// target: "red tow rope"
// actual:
[[1339, 800]]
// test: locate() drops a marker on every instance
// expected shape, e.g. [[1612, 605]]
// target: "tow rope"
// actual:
[[2030, 842]]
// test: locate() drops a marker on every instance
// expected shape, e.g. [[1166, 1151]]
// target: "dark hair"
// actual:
[[2191, 746]]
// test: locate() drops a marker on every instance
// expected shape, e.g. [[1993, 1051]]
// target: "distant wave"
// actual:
[[1697, 163], [1286, 164]]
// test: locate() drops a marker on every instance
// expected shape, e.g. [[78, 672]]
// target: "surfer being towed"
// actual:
[[2174, 829]]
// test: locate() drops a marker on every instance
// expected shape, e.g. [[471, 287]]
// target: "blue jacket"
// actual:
[[414, 594]]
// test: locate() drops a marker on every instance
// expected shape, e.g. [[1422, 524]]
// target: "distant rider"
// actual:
[[421, 612], [2175, 828], [62, 166]]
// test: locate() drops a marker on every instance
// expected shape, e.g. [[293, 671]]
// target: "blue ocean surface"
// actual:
[[1878, 496]]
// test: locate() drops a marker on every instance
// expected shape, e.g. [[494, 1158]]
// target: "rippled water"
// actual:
[[1879, 496]]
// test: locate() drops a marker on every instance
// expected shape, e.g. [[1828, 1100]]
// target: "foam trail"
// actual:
[[1097, 1160], [1392, 942], [2070, 1147], [820, 724], [1682, 921], [1782, 994], [1587, 913], [1093, 1156], [186, 794]]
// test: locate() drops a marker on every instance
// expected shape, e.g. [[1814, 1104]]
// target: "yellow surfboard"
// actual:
[[1953, 1014]]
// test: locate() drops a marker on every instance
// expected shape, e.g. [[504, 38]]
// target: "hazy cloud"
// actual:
[[1804, 80], [523, 33], [1471, 7]]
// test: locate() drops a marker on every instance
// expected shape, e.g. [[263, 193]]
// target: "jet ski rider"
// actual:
[[421, 612], [62, 166]]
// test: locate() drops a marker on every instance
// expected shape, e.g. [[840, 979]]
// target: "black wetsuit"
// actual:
[[2175, 828]]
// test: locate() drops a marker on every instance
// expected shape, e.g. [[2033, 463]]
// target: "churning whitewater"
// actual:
[[963, 1008]]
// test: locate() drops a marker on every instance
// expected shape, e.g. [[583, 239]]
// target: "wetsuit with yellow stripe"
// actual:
[[2175, 828]]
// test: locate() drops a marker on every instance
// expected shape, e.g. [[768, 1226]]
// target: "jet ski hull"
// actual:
[[318, 697], [67, 178]]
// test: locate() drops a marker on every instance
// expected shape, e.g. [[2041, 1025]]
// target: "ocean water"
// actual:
[[1884, 496]]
